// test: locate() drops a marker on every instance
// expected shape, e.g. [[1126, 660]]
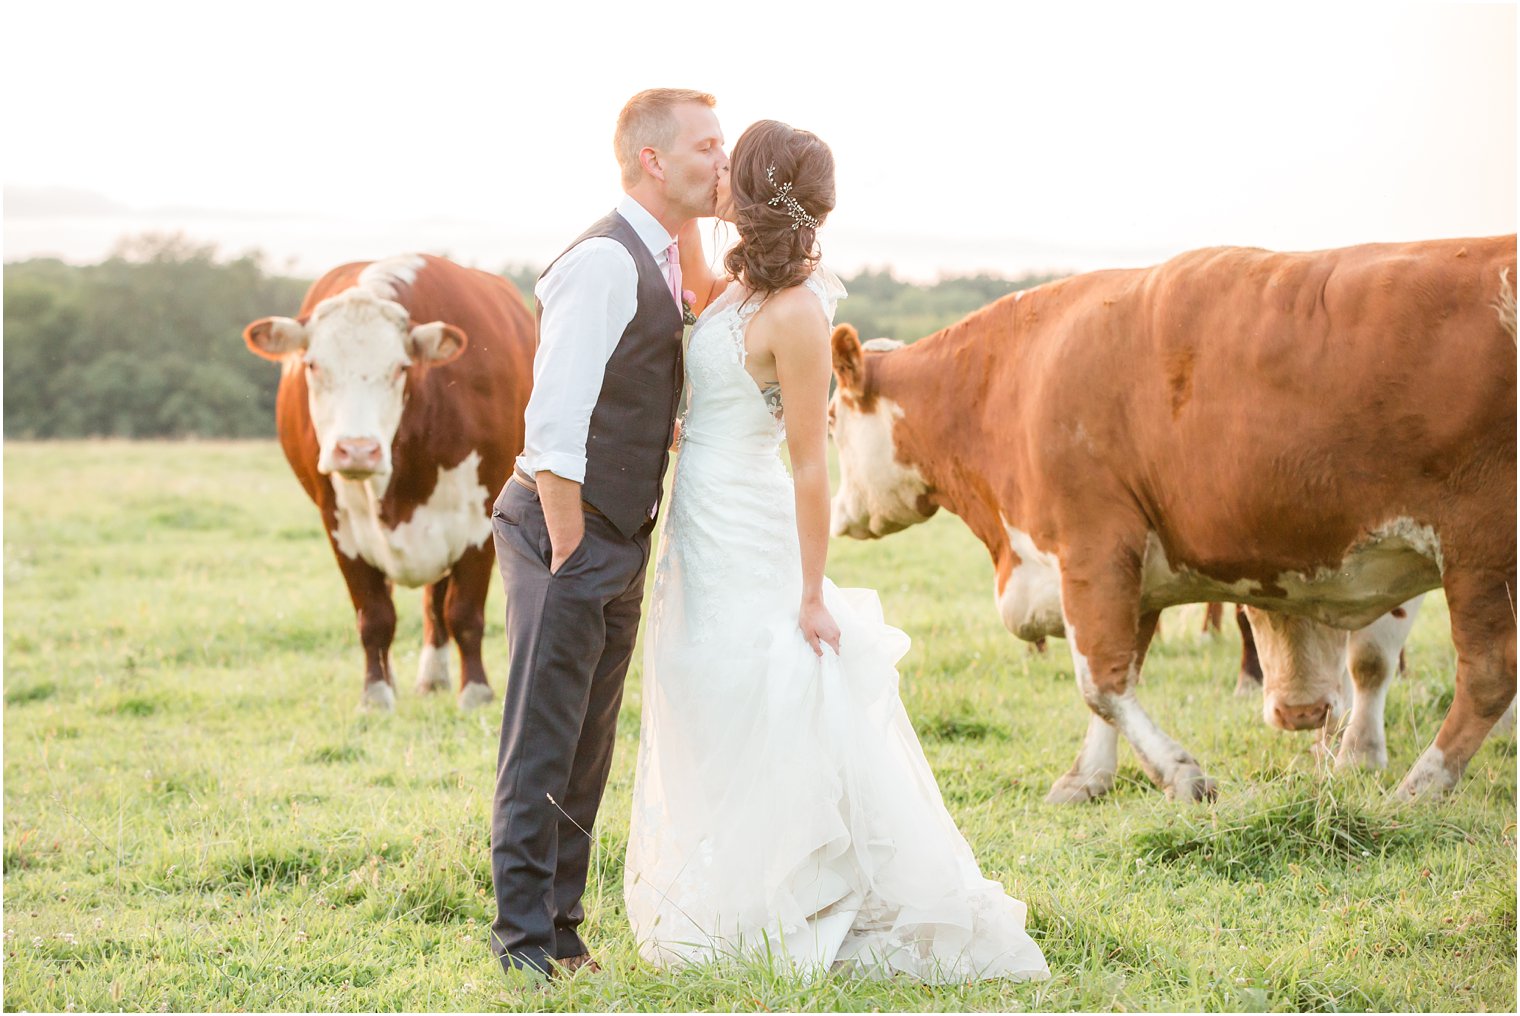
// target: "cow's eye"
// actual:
[[312, 368]]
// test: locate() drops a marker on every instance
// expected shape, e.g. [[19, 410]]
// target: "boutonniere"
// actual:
[[687, 317]]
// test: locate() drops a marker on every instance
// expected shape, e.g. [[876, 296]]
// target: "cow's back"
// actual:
[[1260, 406]]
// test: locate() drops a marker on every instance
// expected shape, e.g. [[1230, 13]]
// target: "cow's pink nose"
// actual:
[[1301, 717], [359, 454]]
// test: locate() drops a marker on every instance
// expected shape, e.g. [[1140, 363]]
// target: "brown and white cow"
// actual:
[[401, 410], [1315, 677], [1218, 427], [1312, 671]]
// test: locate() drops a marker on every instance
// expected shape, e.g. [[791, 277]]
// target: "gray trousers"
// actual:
[[570, 636]]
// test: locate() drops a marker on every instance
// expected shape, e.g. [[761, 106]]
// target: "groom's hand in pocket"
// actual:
[[561, 501]]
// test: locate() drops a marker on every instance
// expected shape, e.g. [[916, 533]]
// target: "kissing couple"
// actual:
[[782, 805]]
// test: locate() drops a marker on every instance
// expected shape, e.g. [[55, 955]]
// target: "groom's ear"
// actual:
[[849, 361], [649, 159]]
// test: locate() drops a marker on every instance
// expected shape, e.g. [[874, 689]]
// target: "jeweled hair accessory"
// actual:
[[784, 198]]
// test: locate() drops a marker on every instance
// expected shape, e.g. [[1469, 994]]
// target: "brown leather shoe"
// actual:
[[568, 966]]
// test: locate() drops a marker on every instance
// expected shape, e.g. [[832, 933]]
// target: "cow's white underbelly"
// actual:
[[423, 548], [1397, 561]]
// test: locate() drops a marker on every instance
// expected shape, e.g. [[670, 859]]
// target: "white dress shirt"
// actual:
[[588, 296]]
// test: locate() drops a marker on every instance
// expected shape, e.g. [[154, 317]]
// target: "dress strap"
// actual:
[[827, 287]]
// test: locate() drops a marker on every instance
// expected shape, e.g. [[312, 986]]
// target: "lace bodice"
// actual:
[[731, 526], [726, 407]]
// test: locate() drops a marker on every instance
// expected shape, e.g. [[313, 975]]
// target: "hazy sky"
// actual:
[[969, 136]]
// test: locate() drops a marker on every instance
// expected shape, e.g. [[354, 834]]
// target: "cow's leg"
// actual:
[[1364, 743], [1213, 619], [1483, 629], [1108, 638], [1374, 655], [1248, 683], [433, 664], [370, 592], [1092, 774], [466, 611]]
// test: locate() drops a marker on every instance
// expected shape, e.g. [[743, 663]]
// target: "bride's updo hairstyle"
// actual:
[[782, 184]]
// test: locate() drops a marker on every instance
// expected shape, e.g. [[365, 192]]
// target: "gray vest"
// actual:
[[633, 424]]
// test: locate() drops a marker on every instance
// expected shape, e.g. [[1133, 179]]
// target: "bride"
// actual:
[[782, 806]]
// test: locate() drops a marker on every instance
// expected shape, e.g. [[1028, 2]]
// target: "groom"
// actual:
[[572, 525]]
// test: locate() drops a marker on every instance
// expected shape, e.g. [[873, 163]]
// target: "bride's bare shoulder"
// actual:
[[793, 310]]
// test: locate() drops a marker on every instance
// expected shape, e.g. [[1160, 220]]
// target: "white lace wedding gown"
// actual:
[[782, 805]]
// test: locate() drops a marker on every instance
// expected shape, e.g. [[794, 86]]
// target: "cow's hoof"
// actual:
[[1075, 788], [1189, 784], [432, 670], [1353, 756], [475, 695], [1428, 778], [378, 698]]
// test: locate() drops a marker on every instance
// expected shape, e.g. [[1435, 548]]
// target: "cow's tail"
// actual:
[[1505, 305]]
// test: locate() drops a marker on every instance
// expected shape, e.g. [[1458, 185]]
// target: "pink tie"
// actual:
[[673, 273]]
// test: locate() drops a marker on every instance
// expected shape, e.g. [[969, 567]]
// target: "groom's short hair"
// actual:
[[646, 122]]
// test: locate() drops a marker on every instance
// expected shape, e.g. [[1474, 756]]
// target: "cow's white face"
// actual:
[[355, 350], [1305, 683], [879, 492]]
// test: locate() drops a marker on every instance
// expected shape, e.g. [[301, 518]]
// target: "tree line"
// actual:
[[147, 343]]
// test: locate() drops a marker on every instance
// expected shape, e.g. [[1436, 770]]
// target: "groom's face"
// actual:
[[694, 161]]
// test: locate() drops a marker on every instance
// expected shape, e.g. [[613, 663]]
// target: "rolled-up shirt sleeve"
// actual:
[[588, 298]]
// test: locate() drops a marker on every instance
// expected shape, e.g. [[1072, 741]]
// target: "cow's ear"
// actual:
[[849, 361], [437, 343], [275, 338]]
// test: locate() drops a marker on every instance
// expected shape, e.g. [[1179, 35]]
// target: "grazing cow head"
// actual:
[[1304, 680], [1308, 669], [357, 349], [879, 493]]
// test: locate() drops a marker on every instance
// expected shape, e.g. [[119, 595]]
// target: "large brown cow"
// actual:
[[401, 410], [1326, 434]]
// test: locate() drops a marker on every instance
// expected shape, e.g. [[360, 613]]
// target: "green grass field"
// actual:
[[197, 817]]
